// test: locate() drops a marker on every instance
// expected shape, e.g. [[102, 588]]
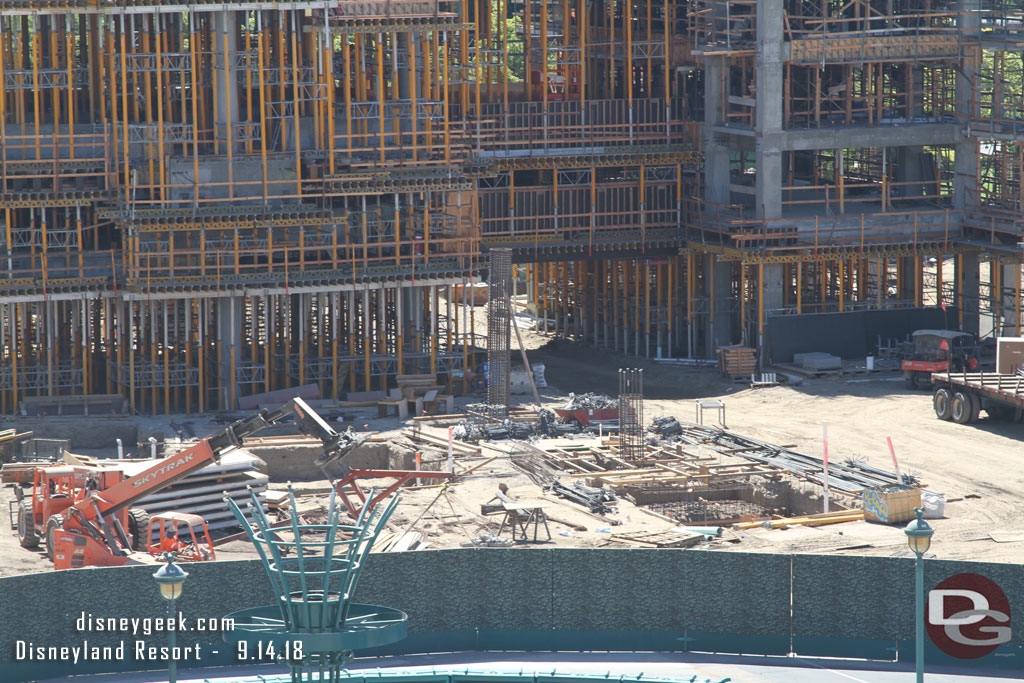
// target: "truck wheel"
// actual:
[[138, 529], [27, 534], [943, 404], [961, 408], [52, 524], [922, 380], [975, 407]]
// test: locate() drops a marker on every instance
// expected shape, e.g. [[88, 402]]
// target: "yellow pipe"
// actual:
[[195, 112], [36, 90], [160, 105], [347, 55], [380, 103], [544, 52], [760, 300], [69, 47], [296, 88], [263, 114], [799, 287]]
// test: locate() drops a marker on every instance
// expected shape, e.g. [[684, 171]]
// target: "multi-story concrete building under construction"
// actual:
[[204, 201]]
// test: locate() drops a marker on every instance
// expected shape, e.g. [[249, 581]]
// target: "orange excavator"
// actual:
[[91, 530]]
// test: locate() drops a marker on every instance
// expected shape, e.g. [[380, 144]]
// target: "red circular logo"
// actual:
[[967, 616]]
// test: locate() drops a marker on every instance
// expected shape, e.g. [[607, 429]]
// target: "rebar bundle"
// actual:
[[631, 414], [499, 332]]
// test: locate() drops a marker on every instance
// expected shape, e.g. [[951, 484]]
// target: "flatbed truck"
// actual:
[[961, 396]]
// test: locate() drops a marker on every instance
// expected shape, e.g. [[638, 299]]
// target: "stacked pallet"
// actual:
[[737, 361]]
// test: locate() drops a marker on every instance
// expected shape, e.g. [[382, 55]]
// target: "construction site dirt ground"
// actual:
[[974, 466]]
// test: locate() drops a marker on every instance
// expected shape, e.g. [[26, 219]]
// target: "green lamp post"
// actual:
[[171, 579], [919, 538]]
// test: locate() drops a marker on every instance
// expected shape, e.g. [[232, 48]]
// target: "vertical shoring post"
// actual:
[[263, 108], [200, 306], [167, 364], [799, 287], [544, 78], [124, 109], [841, 263], [3, 138], [131, 355], [70, 55], [433, 329], [379, 51], [399, 329], [147, 86], [347, 86], [444, 90], [269, 308], [229, 85], [296, 98], [327, 55], [367, 339], [36, 90], [583, 30], [161, 93], [689, 303], [193, 94], [629, 65], [636, 305]]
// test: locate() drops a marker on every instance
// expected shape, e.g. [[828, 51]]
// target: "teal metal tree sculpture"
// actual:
[[313, 569]]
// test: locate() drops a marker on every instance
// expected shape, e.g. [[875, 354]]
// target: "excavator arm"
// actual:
[[95, 515]]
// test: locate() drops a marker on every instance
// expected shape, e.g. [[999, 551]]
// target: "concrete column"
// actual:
[[1008, 299], [906, 282], [774, 277], [967, 296], [966, 150], [225, 77], [768, 194], [716, 152], [229, 342], [909, 169], [720, 318]]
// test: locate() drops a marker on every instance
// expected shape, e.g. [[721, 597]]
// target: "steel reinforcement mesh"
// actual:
[[499, 331], [631, 414]]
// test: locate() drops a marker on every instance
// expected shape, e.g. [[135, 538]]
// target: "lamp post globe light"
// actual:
[[919, 538], [171, 578]]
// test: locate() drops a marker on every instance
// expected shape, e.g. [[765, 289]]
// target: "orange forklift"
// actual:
[[939, 351], [88, 514]]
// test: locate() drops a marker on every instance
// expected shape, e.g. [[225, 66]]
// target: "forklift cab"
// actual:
[[958, 349], [939, 351]]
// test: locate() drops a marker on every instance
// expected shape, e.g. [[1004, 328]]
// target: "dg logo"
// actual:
[[968, 616]]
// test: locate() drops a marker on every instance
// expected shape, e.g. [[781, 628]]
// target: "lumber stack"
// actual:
[[836, 517], [421, 435], [737, 361]]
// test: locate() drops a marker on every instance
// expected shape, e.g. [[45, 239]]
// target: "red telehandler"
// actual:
[[91, 530]]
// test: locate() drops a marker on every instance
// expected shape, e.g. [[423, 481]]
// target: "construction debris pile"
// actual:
[[850, 477], [591, 402], [597, 500], [545, 425]]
